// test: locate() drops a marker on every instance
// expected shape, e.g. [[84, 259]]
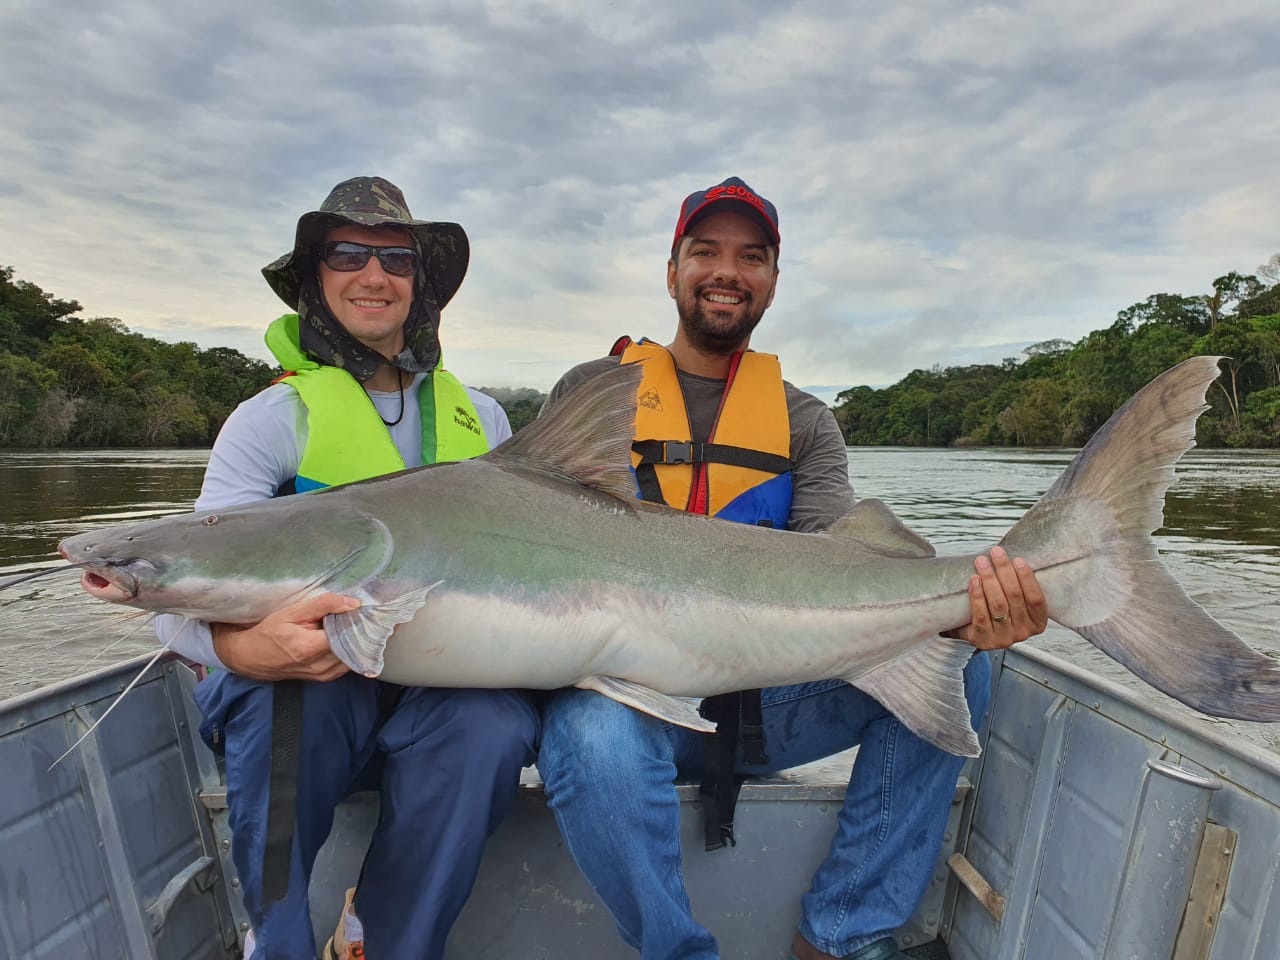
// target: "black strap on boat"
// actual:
[[282, 799], [738, 719]]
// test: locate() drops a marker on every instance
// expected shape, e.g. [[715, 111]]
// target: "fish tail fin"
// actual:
[[1089, 540]]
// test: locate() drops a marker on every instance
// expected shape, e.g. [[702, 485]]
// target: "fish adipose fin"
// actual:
[[585, 437], [359, 638], [1089, 540], [925, 690], [650, 701], [874, 525]]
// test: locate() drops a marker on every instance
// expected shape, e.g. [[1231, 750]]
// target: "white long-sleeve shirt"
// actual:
[[260, 448]]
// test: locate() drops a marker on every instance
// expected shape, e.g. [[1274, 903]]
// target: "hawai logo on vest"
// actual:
[[465, 420]]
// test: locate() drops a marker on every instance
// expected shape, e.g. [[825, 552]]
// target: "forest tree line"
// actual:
[[1061, 392], [70, 381]]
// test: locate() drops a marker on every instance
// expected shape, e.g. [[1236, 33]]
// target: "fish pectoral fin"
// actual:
[[359, 638], [925, 690], [650, 701]]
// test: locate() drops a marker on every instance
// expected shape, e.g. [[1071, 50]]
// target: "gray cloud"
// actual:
[[953, 182]]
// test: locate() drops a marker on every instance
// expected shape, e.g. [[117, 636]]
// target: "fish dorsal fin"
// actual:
[[878, 528], [585, 437]]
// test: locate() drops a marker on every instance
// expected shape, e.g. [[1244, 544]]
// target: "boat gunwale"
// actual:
[[1162, 721]]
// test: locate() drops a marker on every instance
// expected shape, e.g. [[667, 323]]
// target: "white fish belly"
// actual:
[[682, 647]]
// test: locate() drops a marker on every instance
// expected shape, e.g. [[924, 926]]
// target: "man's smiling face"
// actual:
[[722, 280], [370, 303]]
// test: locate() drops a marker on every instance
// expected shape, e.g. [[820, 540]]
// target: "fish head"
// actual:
[[233, 566]]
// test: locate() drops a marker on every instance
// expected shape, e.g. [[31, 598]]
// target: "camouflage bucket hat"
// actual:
[[373, 202]]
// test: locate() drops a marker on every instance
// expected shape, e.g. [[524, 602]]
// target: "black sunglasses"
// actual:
[[345, 256]]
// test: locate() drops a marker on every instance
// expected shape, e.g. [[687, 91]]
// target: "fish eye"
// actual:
[[210, 520]]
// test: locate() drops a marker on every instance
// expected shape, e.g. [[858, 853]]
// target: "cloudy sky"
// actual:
[[954, 180]]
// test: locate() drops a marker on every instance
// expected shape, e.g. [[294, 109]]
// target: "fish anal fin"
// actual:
[[650, 701], [874, 525], [585, 436], [925, 690], [359, 638]]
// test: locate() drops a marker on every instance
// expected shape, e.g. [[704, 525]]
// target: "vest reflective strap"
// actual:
[[750, 442]]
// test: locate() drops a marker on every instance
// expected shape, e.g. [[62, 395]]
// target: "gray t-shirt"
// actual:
[[821, 493]]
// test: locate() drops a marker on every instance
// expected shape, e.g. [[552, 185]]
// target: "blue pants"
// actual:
[[446, 762], [610, 770]]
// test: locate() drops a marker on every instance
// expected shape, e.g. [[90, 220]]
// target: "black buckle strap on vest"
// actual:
[[751, 732], [685, 451], [736, 719], [647, 481], [282, 799]]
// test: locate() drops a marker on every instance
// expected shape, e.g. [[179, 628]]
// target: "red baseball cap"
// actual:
[[732, 194]]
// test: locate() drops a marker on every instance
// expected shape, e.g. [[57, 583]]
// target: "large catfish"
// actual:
[[536, 566]]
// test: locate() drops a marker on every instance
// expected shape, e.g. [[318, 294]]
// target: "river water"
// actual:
[[1221, 539]]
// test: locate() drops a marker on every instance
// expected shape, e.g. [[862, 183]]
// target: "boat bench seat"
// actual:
[[745, 894]]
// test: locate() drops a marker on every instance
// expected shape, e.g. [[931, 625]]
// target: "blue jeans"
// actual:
[[609, 773], [446, 762]]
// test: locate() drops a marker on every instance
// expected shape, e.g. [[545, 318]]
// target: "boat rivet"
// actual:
[[21, 724], [822, 808], [947, 836], [244, 924], [235, 882], [931, 919], [226, 844]]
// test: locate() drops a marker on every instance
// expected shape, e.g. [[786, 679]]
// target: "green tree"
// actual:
[[1229, 290], [1185, 313], [28, 315], [80, 373], [1034, 419], [23, 386]]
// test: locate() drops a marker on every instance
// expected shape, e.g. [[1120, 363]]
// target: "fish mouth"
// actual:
[[107, 579], [110, 584]]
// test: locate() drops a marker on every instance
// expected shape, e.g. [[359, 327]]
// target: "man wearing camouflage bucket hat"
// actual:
[[368, 282]]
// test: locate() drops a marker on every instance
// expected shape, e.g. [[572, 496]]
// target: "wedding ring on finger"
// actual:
[[1000, 618]]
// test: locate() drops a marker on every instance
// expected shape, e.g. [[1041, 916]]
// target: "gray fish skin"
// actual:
[[535, 566]]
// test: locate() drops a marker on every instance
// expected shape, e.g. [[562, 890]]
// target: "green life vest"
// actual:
[[346, 439]]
